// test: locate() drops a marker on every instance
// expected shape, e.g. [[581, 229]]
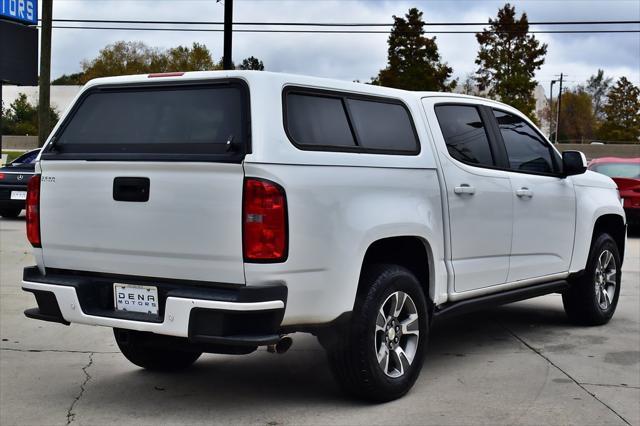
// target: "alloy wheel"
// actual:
[[605, 279], [397, 334]]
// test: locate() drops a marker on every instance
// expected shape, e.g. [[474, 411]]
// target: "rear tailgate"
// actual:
[[189, 229], [142, 181]]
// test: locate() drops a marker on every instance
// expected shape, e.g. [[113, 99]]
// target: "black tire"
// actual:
[[352, 353], [10, 212], [154, 352], [583, 301]]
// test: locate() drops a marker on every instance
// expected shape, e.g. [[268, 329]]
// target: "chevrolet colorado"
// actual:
[[221, 211]]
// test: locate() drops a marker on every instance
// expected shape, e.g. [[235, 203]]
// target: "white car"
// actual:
[[221, 211]]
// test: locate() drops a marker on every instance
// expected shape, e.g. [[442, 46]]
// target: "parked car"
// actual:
[[625, 172], [227, 210], [13, 183]]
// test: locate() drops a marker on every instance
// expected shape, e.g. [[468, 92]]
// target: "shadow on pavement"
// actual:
[[20, 218], [633, 231], [302, 375]]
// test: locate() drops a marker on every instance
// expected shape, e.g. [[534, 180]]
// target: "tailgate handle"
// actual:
[[133, 189]]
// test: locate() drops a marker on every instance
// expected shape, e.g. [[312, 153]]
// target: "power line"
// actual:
[[335, 24], [331, 31]]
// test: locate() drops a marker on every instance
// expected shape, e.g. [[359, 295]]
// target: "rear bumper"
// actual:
[[5, 195], [12, 204], [202, 313]]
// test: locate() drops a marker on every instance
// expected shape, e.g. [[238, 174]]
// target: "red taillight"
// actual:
[[33, 211], [1, 176], [264, 221]]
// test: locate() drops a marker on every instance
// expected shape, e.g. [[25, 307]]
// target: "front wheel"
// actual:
[[593, 297], [379, 354], [154, 352]]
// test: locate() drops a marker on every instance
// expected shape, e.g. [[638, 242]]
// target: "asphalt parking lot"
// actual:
[[517, 364]]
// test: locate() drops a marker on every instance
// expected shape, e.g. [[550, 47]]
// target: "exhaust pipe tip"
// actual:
[[281, 346]]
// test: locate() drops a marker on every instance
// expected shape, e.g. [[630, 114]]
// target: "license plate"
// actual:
[[18, 195], [136, 298]]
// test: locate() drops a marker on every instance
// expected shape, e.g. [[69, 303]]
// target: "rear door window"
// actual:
[[526, 149], [465, 134], [181, 120]]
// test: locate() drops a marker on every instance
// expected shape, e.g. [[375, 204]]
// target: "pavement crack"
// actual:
[[610, 386], [71, 415], [580, 385]]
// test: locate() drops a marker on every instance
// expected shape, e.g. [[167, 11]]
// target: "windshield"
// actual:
[[623, 170]]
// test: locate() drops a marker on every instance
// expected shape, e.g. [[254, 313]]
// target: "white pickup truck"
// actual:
[[221, 211]]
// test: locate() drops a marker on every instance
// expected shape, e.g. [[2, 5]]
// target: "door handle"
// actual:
[[464, 189], [524, 192]]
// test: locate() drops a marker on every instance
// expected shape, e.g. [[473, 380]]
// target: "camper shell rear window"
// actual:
[[202, 121]]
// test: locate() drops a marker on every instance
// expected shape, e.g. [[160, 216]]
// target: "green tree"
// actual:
[[469, 86], [508, 59], [122, 58], [597, 86], [181, 58], [577, 121], [21, 118], [251, 63], [413, 59], [74, 79], [135, 57], [622, 113]]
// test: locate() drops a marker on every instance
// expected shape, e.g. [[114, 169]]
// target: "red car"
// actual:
[[626, 174]]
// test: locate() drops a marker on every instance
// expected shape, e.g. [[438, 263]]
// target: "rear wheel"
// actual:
[[379, 354], [593, 297], [10, 212], [154, 352]]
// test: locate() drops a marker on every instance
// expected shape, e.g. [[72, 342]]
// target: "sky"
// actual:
[[357, 56]]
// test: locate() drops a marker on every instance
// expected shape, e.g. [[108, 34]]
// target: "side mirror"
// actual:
[[573, 163]]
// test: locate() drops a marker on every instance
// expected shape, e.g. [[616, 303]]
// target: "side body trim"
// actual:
[[506, 286], [509, 296]]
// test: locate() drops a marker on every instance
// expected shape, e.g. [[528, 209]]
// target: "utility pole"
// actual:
[[551, 109], [227, 62], [44, 120], [558, 109]]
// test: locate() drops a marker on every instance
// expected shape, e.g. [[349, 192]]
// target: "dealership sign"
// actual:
[[25, 11], [19, 42]]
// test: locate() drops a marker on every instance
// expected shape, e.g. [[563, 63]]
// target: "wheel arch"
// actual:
[[410, 251], [598, 210], [613, 225]]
